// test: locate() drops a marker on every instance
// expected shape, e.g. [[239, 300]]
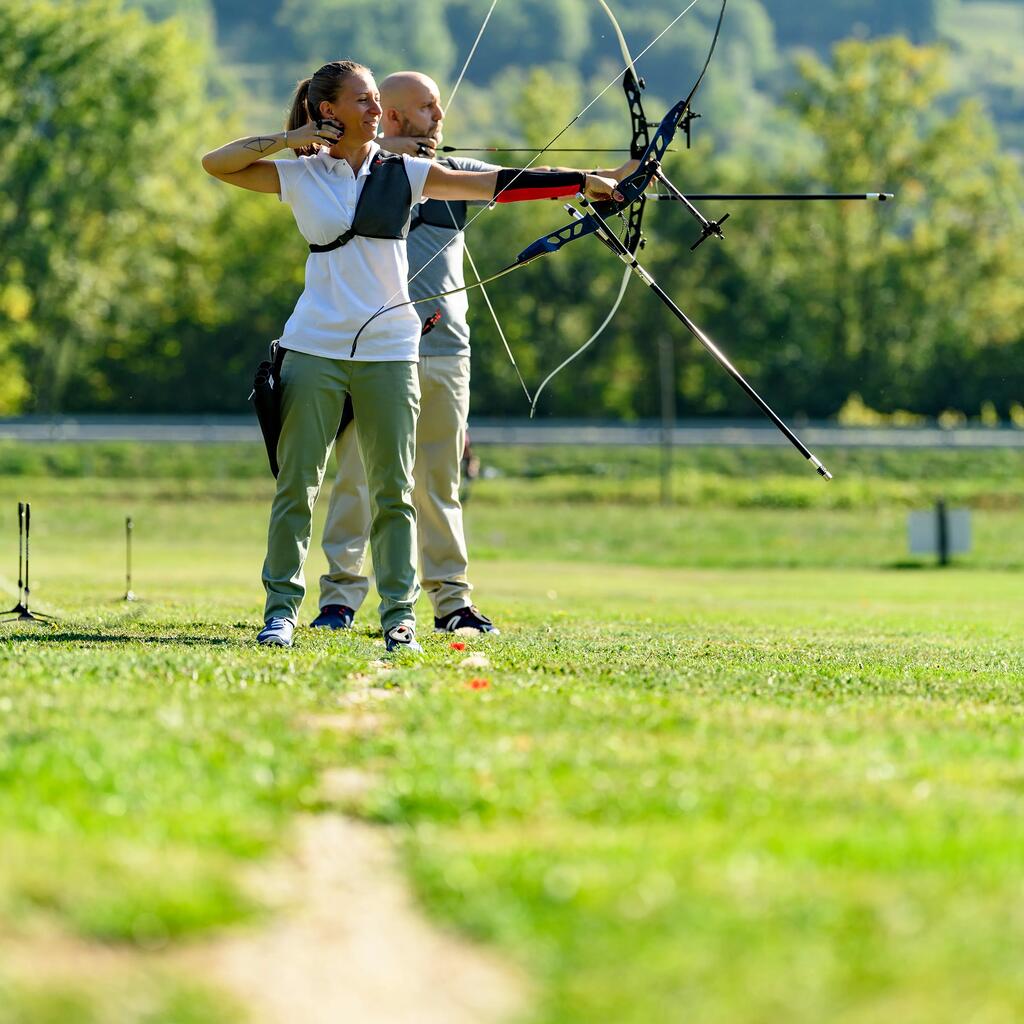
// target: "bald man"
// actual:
[[412, 123]]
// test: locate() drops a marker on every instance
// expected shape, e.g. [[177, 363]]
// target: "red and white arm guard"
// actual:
[[516, 186]]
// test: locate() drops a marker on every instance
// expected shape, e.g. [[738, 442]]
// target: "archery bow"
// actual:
[[594, 223], [632, 86]]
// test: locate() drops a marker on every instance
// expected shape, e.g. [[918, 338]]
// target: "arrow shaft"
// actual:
[[498, 149]]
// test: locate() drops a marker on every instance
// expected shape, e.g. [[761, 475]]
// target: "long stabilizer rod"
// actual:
[[772, 197], [612, 241], [499, 149]]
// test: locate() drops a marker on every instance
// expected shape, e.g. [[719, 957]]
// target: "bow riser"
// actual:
[[638, 119], [553, 242]]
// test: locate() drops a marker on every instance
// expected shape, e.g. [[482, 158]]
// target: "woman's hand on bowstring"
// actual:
[[314, 133]]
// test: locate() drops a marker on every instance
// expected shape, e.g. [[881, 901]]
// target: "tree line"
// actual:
[[130, 282]]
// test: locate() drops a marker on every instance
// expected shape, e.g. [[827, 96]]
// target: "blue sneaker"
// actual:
[[276, 633], [401, 638], [334, 616]]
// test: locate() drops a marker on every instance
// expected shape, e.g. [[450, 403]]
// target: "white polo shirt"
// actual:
[[346, 286]]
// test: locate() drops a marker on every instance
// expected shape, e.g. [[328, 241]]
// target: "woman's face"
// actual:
[[356, 107]]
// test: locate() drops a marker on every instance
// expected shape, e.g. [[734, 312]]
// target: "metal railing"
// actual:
[[484, 431]]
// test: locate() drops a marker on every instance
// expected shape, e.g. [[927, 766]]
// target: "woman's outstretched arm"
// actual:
[[513, 185]]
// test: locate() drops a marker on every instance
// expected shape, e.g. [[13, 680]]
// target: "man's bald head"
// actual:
[[403, 87], [412, 105]]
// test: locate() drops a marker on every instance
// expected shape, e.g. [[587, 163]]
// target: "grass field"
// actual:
[[738, 761]]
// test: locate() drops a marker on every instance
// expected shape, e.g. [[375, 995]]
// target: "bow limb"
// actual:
[[711, 53]]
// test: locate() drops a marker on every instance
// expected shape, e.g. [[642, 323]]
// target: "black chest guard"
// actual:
[[438, 213], [383, 207]]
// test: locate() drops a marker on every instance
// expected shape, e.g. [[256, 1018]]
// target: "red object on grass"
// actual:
[[458, 645], [479, 684]]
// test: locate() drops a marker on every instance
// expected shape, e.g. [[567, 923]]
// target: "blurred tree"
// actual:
[[192, 12], [915, 305], [101, 208], [819, 25], [521, 35], [130, 281], [397, 36], [216, 321]]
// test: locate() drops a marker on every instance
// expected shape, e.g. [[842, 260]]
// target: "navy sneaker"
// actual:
[[468, 619], [334, 616], [276, 633], [401, 638]]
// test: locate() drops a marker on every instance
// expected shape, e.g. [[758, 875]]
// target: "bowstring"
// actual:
[[627, 274], [472, 50], [462, 230]]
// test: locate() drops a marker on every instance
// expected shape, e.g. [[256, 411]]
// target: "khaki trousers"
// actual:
[[385, 399], [440, 437]]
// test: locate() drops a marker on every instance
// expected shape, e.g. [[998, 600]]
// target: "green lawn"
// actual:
[[733, 763]]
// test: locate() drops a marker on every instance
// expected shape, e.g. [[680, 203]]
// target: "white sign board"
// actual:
[[923, 531]]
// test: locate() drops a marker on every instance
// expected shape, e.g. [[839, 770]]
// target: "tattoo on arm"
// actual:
[[260, 145]]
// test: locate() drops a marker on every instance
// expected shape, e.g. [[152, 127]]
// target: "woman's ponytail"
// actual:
[[298, 115]]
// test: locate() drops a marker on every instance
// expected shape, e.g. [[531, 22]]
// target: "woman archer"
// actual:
[[351, 202]]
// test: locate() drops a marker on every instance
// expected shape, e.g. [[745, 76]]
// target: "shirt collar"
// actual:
[[332, 164]]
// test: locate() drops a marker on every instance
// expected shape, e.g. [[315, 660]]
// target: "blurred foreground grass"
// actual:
[[729, 764]]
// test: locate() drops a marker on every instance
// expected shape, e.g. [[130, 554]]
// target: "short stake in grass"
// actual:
[[129, 528], [21, 609]]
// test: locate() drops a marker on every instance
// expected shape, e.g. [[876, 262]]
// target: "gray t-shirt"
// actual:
[[450, 337]]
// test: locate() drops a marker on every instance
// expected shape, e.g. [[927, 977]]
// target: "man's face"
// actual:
[[418, 111]]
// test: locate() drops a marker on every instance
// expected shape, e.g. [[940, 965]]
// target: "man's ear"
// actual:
[[392, 117]]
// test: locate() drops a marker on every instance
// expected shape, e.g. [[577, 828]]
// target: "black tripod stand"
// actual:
[[21, 611]]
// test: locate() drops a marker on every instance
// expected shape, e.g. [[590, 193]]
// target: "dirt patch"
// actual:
[[358, 720], [344, 942], [47, 955], [349, 946]]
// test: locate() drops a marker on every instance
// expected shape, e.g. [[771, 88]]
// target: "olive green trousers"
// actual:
[[386, 401]]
